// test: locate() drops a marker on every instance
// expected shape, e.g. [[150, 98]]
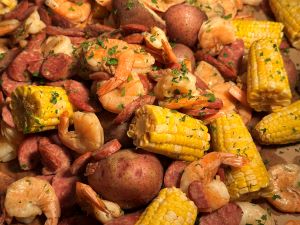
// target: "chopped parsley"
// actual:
[[211, 97], [227, 17], [263, 130], [2, 55], [129, 4], [79, 3], [225, 55], [121, 106], [154, 1], [182, 119], [35, 74], [123, 92], [112, 50], [112, 61], [267, 60], [274, 197], [54, 96], [71, 9]]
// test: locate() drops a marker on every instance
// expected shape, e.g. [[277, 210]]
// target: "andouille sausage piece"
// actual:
[[173, 173], [8, 57], [197, 195], [54, 158], [136, 38], [7, 116], [64, 185], [73, 32], [128, 111], [232, 55], [80, 163], [107, 149], [18, 12], [57, 67], [230, 214], [8, 85], [28, 153]]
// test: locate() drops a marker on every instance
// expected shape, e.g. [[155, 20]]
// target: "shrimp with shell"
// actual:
[[204, 170], [72, 11], [214, 34], [116, 100], [87, 136], [90, 202], [117, 58], [8, 26], [30, 197], [284, 184]]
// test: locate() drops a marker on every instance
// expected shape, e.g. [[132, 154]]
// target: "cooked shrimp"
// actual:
[[104, 56], [252, 2], [175, 82], [214, 34], [220, 8], [90, 202], [284, 183], [155, 37], [88, 134], [254, 214], [34, 24], [204, 170], [8, 26], [29, 197], [7, 6], [10, 139], [58, 44], [72, 11], [117, 99]]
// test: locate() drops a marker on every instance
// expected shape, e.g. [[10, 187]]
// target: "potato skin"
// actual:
[[183, 52], [183, 23], [133, 12], [129, 178]]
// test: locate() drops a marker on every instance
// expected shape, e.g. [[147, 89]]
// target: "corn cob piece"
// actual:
[[253, 30], [170, 207], [267, 81], [280, 127], [168, 132], [229, 134], [7, 6], [288, 12], [38, 108]]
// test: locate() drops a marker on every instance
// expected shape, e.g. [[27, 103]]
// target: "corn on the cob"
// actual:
[[288, 12], [252, 30], [229, 134], [267, 81], [7, 5], [38, 108], [170, 207], [281, 127], [168, 132]]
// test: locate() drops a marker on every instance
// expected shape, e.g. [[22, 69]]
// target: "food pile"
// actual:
[[144, 112]]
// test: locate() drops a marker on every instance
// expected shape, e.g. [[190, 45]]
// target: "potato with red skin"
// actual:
[[128, 178], [183, 23], [183, 52], [133, 12]]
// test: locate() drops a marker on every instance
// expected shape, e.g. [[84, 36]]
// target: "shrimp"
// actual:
[[103, 56], [219, 8], [34, 24], [7, 6], [8, 26], [88, 134], [175, 82], [116, 100], [29, 197], [254, 214], [252, 2], [10, 139], [89, 201], [284, 183], [72, 11], [204, 170], [119, 58], [214, 34]]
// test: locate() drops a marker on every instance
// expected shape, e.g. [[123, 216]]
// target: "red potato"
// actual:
[[183, 52], [131, 179], [183, 23]]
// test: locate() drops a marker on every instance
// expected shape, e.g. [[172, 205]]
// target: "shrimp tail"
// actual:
[[123, 70], [233, 160]]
